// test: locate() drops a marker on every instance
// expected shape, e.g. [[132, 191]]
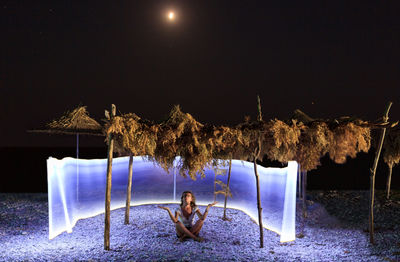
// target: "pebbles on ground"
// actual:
[[333, 231]]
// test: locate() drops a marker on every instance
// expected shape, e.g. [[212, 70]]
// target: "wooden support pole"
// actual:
[[299, 181], [304, 190], [389, 179], [256, 154], [372, 177], [259, 116], [129, 190], [227, 188], [174, 182], [77, 167], [259, 205], [108, 186], [215, 183]]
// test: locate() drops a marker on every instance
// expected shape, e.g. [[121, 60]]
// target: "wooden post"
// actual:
[[299, 181], [259, 205], [77, 145], [227, 188], [77, 167], [389, 181], [108, 186], [215, 184], [256, 155], [174, 182], [372, 176], [259, 117], [129, 190], [304, 187]]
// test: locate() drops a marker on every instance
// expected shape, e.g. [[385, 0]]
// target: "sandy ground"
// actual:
[[335, 230]]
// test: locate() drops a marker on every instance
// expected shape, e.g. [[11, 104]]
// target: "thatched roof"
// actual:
[[314, 142], [348, 140], [179, 135], [302, 138], [377, 124], [75, 122], [132, 135], [341, 138], [281, 140]]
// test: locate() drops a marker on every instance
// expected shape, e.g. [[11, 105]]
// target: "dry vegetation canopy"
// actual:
[[248, 134], [348, 140], [132, 135], [280, 140], [391, 154], [303, 139], [78, 119], [181, 135], [313, 144], [222, 141]]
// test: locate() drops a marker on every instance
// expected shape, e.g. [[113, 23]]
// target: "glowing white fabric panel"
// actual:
[[76, 190]]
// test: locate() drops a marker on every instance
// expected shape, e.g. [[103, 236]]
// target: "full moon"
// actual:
[[171, 16]]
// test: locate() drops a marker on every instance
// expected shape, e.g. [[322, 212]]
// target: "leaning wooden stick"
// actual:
[[372, 176], [108, 186]]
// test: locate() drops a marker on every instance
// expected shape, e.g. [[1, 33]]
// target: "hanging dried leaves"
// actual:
[[303, 139], [181, 135], [198, 145], [132, 135], [281, 140], [391, 146], [221, 140], [348, 140], [248, 135], [313, 144]]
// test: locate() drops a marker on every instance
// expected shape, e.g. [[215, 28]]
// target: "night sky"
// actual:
[[327, 58]]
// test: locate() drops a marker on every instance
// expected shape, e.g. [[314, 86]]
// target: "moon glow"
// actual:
[[171, 16]]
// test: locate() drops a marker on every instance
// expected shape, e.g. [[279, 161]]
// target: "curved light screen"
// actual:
[[76, 190]]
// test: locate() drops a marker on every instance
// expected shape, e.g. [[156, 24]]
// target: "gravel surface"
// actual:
[[335, 230]]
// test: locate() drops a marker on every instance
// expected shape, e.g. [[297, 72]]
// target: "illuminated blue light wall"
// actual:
[[76, 190]]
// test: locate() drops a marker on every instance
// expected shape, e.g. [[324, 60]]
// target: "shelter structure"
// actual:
[[302, 139], [75, 122]]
